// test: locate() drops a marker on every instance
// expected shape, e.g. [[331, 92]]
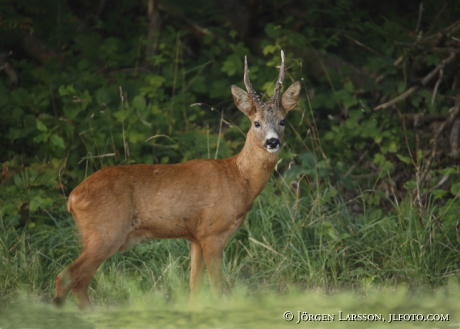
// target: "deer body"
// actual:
[[150, 208], [202, 200]]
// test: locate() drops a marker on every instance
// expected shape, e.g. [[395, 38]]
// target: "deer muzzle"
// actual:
[[272, 144]]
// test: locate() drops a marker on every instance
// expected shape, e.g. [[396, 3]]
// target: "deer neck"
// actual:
[[255, 164]]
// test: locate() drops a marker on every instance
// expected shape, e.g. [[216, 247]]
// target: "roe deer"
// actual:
[[202, 200]]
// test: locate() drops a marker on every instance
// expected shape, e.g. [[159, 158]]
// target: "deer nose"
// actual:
[[272, 143]]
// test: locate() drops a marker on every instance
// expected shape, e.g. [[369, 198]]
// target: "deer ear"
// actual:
[[291, 96], [242, 100]]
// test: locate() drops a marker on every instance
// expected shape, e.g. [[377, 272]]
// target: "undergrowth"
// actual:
[[286, 244]]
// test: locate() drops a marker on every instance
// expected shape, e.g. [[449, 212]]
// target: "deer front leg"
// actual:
[[197, 269], [213, 249]]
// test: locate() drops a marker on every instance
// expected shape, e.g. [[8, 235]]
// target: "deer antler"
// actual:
[[279, 82], [255, 98]]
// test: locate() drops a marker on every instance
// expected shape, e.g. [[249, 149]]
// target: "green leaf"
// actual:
[[295, 171], [71, 110], [378, 139], [330, 193], [38, 202], [410, 185], [350, 101], [271, 30], [34, 205], [135, 137], [448, 171], [404, 159], [199, 85], [415, 100], [390, 146], [41, 138], [85, 99], [433, 59], [57, 140], [308, 160], [83, 64], [269, 49], [9, 209], [401, 87], [349, 87], [231, 65], [455, 188], [139, 103], [103, 96], [438, 193], [41, 126], [67, 90], [156, 81], [420, 155], [121, 115]]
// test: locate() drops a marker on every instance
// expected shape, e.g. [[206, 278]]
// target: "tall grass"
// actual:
[[305, 250], [325, 246], [293, 239]]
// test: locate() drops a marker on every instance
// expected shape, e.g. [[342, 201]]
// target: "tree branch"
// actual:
[[153, 29], [423, 82]]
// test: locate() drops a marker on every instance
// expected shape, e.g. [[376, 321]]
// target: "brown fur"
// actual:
[[202, 200]]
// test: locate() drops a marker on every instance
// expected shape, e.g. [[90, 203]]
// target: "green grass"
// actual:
[[263, 310], [314, 256]]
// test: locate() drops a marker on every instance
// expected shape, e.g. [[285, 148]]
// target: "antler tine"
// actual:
[[279, 82], [255, 98], [281, 76], [247, 83]]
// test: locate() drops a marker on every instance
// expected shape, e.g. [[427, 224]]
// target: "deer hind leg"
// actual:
[[77, 276], [80, 286], [63, 286], [197, 269], [100, 242], [69, 277]]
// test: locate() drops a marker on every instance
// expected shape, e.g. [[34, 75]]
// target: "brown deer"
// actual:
[[202, 200]]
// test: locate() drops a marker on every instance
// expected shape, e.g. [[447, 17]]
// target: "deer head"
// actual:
[[267, 118]]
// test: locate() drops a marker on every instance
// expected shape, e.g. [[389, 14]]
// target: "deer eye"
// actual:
[[257, 124], [282, 123]]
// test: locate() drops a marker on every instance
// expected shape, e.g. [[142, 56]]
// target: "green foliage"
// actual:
[[289, 242], [355, 201]]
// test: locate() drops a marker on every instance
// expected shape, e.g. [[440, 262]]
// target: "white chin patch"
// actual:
[[272, 150]]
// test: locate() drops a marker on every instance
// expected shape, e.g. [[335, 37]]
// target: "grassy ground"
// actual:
[[312, 309], [311, 255]]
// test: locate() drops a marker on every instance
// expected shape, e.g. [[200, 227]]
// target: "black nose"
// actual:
[[272, 143]]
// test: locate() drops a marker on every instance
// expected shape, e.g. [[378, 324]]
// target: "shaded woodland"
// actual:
[[86, 84]]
